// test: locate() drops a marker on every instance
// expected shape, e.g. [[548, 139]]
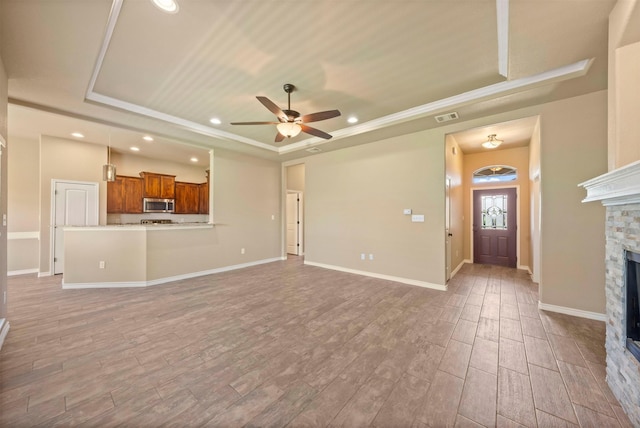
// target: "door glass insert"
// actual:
[[494, 212]]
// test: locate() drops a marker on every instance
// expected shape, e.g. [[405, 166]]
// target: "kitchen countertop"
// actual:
[[138, 226]]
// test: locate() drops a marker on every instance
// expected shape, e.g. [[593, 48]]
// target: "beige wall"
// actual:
[[628, 104], [64, 159], [518, 158], [623, 84], [572, 150], [124, 253], [454, 159], [132, 166], [23, 245], [3, 188], [354, 204], [295, 177]]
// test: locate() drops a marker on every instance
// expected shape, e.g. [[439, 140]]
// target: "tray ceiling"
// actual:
[[387, 62]]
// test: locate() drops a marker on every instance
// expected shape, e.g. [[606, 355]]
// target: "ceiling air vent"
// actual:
[[447, 117], [313, 150]]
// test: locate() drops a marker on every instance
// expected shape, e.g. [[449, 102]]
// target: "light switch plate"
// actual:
[[407, 211], [417, 218]]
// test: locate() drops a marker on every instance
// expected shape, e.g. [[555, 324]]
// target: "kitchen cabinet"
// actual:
[[187, 198], [124, 195], [161, 186], [203, 200]]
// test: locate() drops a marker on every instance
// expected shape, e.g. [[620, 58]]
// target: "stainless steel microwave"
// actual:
[[152, 205]]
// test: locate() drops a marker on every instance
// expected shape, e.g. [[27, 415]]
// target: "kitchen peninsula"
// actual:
[[136, 255]]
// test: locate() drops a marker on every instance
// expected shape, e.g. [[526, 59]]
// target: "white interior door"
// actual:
[[293, 221], [75, 204]]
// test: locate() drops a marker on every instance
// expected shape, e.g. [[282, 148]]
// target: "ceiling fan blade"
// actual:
[[315, 132], [279, 138], [273, 108], [321, 115], [254, 123]]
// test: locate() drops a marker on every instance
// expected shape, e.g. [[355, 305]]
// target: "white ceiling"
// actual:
[[125, 65]]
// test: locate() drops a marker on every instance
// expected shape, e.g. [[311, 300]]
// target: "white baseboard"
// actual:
[[22, 272], [456, 270], [523, 267], [4, 330], [571, 311], [380, 276], [133, 284], [42, 274]]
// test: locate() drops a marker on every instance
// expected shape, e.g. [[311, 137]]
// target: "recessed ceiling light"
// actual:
[[352, 119], [135, 149], [169, 6], [215, 121], [77, 135], [194, 159], [147, 138]]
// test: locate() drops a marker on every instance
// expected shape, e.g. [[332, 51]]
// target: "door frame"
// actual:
[[447, 227], [52, 214], [518, 228]]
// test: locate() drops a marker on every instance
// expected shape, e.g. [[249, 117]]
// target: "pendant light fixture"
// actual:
[[109, 170], [492, 142]]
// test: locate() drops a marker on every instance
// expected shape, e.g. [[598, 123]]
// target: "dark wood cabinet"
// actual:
[[204, 197], [161, 186], [133, 191], [187, 198], [203, 200], [115, 196], [124, 196]]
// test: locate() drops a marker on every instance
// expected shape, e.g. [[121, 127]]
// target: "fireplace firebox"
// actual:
[[632, 285]]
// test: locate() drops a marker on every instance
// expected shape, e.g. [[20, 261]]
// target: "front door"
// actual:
[[75, 204], [494, 227]]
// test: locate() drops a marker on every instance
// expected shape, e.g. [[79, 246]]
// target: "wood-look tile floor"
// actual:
[[284, 344]]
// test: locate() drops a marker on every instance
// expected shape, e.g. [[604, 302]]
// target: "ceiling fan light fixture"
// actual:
[[492, 142], [169, 6], [289, 129]]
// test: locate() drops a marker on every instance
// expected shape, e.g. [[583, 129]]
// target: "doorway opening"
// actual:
[[294, 209]]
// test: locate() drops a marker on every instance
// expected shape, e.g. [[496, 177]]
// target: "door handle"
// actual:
[[450, 234]]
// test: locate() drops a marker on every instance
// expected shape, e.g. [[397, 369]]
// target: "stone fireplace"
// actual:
[[619, 192]]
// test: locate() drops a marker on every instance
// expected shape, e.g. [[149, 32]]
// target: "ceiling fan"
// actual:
[[290, 123]]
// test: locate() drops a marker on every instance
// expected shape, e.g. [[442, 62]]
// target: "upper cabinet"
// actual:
[[124, 195], [187, 198], [159, 185]]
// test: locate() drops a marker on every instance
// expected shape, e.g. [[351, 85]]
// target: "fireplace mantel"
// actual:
[[618, 187]]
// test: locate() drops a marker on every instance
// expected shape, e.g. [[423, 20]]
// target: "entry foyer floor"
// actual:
[[284, 344]]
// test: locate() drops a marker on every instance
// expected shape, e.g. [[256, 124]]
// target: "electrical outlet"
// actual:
[[101, 264], [273, 216], [363, 256], [370, 256], [241, 250]]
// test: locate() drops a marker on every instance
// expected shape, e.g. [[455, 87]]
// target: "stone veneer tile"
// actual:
[[623, 370]]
